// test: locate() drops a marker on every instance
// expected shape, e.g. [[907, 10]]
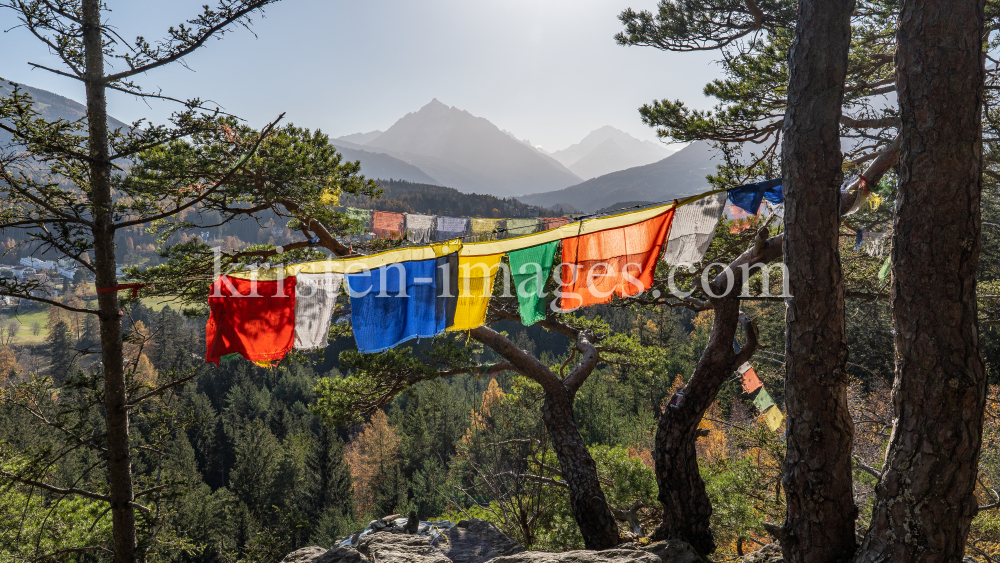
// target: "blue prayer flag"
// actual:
[[749, 196], [399, 302]]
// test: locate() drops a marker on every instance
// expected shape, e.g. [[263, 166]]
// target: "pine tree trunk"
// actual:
[[687, 509], [116, 415], [820, 517], [591, 510], [924, 501], [586, 498]]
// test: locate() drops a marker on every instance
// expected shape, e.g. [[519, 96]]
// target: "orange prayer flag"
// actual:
[[619, 261], [387, 224], [751, 382]]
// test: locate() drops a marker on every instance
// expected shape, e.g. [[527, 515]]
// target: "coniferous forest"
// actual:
[[821, 385]]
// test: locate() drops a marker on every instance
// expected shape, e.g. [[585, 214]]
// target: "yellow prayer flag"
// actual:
[[773, 417], [475, 287]]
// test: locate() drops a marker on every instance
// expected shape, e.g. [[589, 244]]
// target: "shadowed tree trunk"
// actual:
[[820, 517], [590, 508], [924, 501], [687, 510]]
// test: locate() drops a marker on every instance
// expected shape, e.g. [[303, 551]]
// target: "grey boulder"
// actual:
[[607, 556], [316, 554], [400, 548]]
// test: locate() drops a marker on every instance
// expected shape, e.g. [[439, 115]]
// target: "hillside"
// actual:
[[607, 150], [408, 197], [680, 174], [469, 153], [51, 107], [382, 166]]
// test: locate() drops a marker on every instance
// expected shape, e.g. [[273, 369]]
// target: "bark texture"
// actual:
[[820, 517], [687, 510], [924, 501], [115, 401], [590, 508]]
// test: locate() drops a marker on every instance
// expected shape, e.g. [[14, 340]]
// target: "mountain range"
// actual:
[[607, 150], [445, 146], [680, 174]]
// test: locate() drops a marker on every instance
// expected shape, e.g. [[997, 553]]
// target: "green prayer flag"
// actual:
[[361, 217], [530, 268], [763, 400], [885, 269], [229, 357]]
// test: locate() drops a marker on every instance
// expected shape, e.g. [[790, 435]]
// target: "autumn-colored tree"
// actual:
[[370, 456], [8, 363]]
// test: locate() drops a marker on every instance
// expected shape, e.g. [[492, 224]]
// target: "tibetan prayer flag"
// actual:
[[254, 318], [553, 222], [749, 378], [452, 227], [749, 196], [475, 287], [401, 301], [773, 417], [386, 224], [315, 297], [519, 227], [420, 228], [530, 268], [740, 220], [618, 261], [361, 219], [763, 400], [486, 229], [692, 229]]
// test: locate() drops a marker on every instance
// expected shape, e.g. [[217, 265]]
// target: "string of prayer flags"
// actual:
[[520, 227], [386, 224], [476, 275], [773, 417], [749, 378], [618, 261], [530, 268], [253, 318], [486, 229], [401, 301], [449, 228], [749, 196], [692, 230], [420, 228], [763, 400], [315, 297]]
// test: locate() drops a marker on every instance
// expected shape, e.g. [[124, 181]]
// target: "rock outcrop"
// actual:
[[391, 540], [606, 556]]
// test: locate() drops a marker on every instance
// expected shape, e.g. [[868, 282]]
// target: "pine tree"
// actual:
[[62, 352]]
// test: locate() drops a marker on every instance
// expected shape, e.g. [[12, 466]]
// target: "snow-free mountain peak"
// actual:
[[470, 153], [607, 150]]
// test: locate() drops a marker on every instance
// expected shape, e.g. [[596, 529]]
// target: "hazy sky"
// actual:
[[546, 70]]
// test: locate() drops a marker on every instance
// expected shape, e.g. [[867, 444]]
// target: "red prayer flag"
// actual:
[[386, 224], [255, 319], [553, 222], [751, 382], [619, 261]]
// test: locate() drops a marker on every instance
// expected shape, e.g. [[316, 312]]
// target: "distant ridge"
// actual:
[[381, 166], [680, 174], [51, 107], [607, 150], [410, 197]]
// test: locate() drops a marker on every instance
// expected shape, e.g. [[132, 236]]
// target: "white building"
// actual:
[[38, 264]]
